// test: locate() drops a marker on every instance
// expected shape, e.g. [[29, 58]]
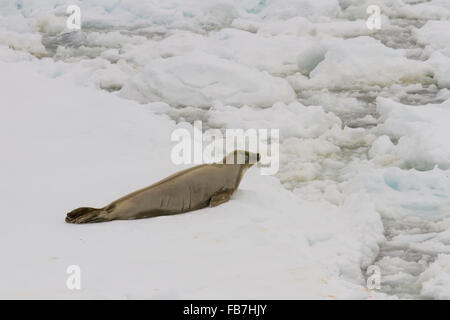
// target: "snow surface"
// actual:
[[78, 145], [86, 117]]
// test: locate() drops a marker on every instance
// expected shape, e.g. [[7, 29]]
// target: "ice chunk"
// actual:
[[360, 62], [198, 79], [293, 120], [422, 132], [435, 280]]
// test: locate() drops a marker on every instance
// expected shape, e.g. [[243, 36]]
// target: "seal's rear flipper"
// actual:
[[87, 215]]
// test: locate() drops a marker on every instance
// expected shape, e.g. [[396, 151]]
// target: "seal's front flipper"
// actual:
[[219, 198], [87, 215]]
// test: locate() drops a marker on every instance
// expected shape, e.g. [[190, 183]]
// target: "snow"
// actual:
[[292, 8], [434, 36], [354, 63], [436, 279], [200, 79], [421, 131], [434, 33], [295, 119], [87, 116], [84, 146]]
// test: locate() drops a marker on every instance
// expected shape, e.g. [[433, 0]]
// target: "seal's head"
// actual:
[[242, 157]]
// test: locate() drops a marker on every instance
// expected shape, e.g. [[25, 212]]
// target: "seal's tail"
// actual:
[[86, 215]]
